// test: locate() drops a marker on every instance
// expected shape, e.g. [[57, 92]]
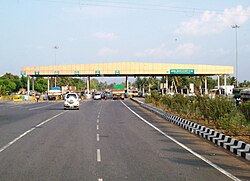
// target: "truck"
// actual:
[[118, 91], [55, 93], [245, 95], [66, 89]]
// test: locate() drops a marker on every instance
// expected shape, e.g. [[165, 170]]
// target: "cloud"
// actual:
[[182, 50], [105, 52], [211, 22], [105, 36]]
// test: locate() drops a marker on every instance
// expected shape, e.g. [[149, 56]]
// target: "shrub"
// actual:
[[220, 110], [233, 121], [245, 109]]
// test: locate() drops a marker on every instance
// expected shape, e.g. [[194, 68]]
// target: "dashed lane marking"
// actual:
[[39, 107], [30, 130], [98, 153], [98, 137]]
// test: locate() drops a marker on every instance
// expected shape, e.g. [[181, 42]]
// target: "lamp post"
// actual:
[[236, 30], [55, 47]]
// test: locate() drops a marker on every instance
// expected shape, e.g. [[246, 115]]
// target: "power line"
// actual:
[[152, 5], [57, 1], [157, 7], [135, 6]]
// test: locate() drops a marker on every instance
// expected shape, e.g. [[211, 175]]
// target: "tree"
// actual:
[[41, 84], [245, 83], [102, 85], [7, 86], [94, 84], [138, 83], [231, 80], [153, 82], [24, 81], [14, 79]]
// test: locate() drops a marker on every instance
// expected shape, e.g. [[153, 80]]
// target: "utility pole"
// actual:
[[55, 47], [236, 30]]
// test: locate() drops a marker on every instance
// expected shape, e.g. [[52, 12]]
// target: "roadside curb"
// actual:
[[237, 147]]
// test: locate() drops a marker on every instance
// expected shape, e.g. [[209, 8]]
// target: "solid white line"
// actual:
[[100, 179], [97, 127], [30, 130], [185, 147], [39, 107], [98, 152], [98, 137]]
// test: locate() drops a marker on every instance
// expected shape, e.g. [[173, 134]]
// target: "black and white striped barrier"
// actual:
[[240, 148]]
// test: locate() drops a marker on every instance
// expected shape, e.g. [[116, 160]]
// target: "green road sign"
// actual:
[[117, 72], [97, 72], [37, 73], [56, 72], [182, 71], [76, 72]]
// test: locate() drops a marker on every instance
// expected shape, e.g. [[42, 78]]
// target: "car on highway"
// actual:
[[97, 96], [71, 101], [107, 95]]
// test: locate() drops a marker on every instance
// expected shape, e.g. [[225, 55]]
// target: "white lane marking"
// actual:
[[100, 179], [39, 107], [98, 153], [185, 147], [98, 116], [30, 130], [98, 137], [30, 105], [12, 106], [97, 127], [98, 121]]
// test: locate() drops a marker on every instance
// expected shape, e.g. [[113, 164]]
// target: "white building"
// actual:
[[228, 90]]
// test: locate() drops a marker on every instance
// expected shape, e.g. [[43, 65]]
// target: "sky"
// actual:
[[99, 31]]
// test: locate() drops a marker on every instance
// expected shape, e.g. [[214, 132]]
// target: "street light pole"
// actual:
[[236, 30], [55, 47]]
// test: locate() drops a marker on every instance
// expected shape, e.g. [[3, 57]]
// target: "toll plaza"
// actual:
[[126, 69]]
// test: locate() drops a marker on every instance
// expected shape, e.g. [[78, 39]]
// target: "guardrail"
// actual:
[[237, 147]]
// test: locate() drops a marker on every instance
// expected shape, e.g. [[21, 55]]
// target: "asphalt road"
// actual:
[[105, 140]]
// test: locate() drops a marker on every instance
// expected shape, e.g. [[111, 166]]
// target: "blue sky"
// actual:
[[160, 31]]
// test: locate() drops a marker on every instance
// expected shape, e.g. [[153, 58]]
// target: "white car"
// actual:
[[97, 96], [71, 101]]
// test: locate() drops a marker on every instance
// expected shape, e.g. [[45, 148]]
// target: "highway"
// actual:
[[105, 140]]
